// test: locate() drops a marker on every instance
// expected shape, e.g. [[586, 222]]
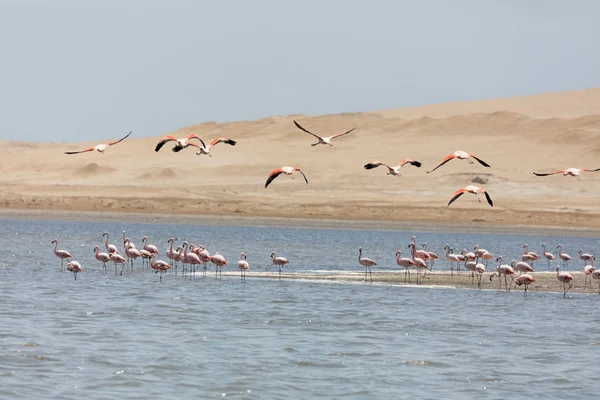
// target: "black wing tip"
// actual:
[[369, 166], [231, 142], [489, 199], [416, 164]]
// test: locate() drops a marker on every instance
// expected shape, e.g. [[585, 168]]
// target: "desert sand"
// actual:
[[516, 136]]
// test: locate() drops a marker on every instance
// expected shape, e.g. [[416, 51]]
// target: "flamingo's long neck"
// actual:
[[55, 246], [185, 249], [106, 242], [359, 254], [171, 248]]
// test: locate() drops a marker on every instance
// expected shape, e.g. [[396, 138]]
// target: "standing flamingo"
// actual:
[[422, 254], [171, 254], [159, 265], [243, 266], [549, 256], [529, 255], [479, 251], [131, 252], [565, 278], [146, 257], [111, 248], [563, 256], [419, 262], [322, 139], [393, 170], [62, 254], [585, 257], [521, 266], [74, 267], [100, 147], [193, 259], [219, 262], [461, 155], [471, 266], [504, 270], [279, 261], [366, 262], [451, 258], [117, 259], [102, 257], [588, 271], [150, 247], [431, 256], [406, 263], [526, 280], [204, 256]]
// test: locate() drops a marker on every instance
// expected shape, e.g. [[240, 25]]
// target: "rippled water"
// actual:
[[107, 337]]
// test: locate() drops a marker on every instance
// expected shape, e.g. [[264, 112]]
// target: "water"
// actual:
[[106, 336]]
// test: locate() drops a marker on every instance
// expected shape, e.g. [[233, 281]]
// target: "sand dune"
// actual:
[[515, 136]]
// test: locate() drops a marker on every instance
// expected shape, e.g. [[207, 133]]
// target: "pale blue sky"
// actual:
[[92, 70]]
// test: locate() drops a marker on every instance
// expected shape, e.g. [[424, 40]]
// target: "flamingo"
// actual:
[[473, 190], [526, 280], [529, 255], [431, 255], [62, 254], [470, 266], [461, 155], [563, 256], [219, 261], [479, 270], [103, 257], [243, 266], [452, 258], [487, 256], [322, 139], [588, 270], [367, 263], [422, 254], [419, 262], [549, 256], [565, 278], [283, 170], [521, 266], [149, 247], [204, 256], [131, 252], [395, 170], [504, 270], [204, 149], [479, 251], [179, 257], [159, 265], [74, 267], [468, 255], [406, 263], [99, 147], [111, 248], [279, 261], [180, 144], [171, 254], [569, 171], [193, 259], [146, 256], [585, 257], [117, 259]]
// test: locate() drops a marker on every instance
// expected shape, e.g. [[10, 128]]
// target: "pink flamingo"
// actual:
[[62, 254], [471, 266], [486, 256], [419, 262], [521, 266], [74, 267], [422, 254], [131, 252], [588, 271], [219, 262], [180, 144], [451, 258], [193, 259], [243, 266], [159, 265], [473, 190], [549, 256], [504, 270], [111, 248], [461, 155], [146, 257], [279, 261], [566, 279], [585, 257], [430, 255], [529, 255], [102, 257], [100, 147], [171, 254], [204, 149], [479, 270], [204, 256], [117, 259], [326, 140], [468, 255], [479, 251], [526, 280], [393, 170], [287, 170], [150, 247], [365, 262], [563, 256], [405, 263], [569, 171]]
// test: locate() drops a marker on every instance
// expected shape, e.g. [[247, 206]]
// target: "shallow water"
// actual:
[[106, 336]]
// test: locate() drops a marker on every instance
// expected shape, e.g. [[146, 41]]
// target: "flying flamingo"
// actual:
[[405, 263], [111, 248], [102, 257], [150, 247], [367, 263], [419, 262], [452, 258], [159, 266], [219, 261], [461, 155], [588, 271], [569, 171], [563, 256], [585, 257], [526, 280], [473, 190], [283, 170], [243, 266], [180, 144], [279, 261], [322, 139], [565, 278], [99, 147], [504, 270], [549, 256], [62, 254], [431, 255], [74, 267], [204, 149], [395, 170], [117, 259]]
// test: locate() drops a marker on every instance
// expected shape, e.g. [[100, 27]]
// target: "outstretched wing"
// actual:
[[299, 170], [411, 162], [374, 164], [480, 161], [456, 195], [81, 151], [343, 133], [222, 140], [590, 170], [489, 199], [120, 140], [164, 140], [444, 161], [301, 128], [274, 174], [549, 173]]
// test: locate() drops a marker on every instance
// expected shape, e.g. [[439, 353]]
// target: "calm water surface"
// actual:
[[107, 337]]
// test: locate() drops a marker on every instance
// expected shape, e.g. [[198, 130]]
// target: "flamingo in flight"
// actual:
[[99, 147], [395, 170], [568, 172], [461, 155], [473, 190], [204, 149], [283, 170], [322, 139], [180, 144], [367, 263]]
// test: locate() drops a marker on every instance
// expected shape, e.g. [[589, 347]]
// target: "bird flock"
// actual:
[[420, 260], [183, 143]]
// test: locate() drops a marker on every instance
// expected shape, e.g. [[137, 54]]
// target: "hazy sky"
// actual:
[[93, 70]]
